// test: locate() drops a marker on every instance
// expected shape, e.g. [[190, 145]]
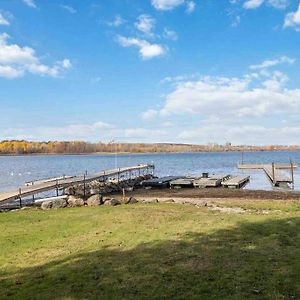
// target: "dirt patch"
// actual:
[[213, 193]]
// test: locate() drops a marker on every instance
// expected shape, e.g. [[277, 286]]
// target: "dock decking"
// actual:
[[159, 182], [34, 189], [211, 181], [236, 182], [182, 182]]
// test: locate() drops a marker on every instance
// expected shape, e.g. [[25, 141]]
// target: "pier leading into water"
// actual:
[[274, 172], [59, 183]]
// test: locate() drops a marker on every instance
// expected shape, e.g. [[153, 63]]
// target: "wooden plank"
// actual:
[[236, 181], [47, 180], [212, 181], [207, 182], [279, 176], [182, 182], [261, 166]]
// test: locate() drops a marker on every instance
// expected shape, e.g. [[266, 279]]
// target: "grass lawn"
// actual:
[[152, 251]]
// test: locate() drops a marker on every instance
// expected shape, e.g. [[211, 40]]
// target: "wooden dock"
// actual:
[[182, 182], [211, 181], [161, 182], [236, 182], [273, 172], [39, 187]]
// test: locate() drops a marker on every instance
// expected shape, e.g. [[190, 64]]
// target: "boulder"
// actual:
[[112, 202], [70, 190], [58, 203], [94, 200], [150, 201], [75, 201], [166, 200], [25, 208], [131, 200]]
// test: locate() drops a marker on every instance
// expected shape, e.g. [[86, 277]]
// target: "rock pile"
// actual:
[[100, 187]]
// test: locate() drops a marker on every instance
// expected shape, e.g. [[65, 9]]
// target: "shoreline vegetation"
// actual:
[[22, 147]]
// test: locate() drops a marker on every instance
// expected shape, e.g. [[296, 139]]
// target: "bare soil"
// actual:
[[215, 193]]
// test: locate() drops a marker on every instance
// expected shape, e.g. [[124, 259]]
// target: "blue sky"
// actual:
[[186, 71]]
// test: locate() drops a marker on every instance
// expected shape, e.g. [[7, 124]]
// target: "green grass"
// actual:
[[152, 251]]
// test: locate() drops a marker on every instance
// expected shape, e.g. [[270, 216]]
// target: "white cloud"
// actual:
[[69, 9], [279, 4], [146, 49], [150, 114], [3, 20], [248, 96], [292, 19], [272, 63], [66, 64], [30, 3], [145, 24], [10, 72], [236, 22], [117, 22], [166, 4], [15, 61], [170, 34], [251, 4], [190, 6]]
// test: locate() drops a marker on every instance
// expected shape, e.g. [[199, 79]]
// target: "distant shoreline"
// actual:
[[141, 153]]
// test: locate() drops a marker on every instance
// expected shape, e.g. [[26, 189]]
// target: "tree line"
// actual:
[[19, 147]]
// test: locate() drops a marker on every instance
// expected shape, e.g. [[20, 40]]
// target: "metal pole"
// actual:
[[33, 194], [84, 184], [20, 199], [292, 173], [56, 187], [273, 173]]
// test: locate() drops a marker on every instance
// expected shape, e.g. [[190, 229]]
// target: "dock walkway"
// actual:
[[273, 171], [34, 189], [236, 182]]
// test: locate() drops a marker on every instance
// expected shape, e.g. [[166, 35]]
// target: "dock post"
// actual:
[[20, 198], [292, 174], [57, 188], [273, 174], [84, 185]]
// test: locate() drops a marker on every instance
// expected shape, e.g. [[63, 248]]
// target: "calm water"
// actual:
[[14, 171]]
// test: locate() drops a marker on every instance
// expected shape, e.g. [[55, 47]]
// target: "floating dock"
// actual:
[[182, 182], [273, 172], [159, 182], [37, 187], [211, 181], [236, 182]]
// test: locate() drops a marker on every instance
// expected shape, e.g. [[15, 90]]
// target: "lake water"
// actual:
[[15, 170]]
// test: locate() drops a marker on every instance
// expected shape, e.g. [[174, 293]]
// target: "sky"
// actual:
[[178, 71]]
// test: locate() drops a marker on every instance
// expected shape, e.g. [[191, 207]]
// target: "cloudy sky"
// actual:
[[186, 71]]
